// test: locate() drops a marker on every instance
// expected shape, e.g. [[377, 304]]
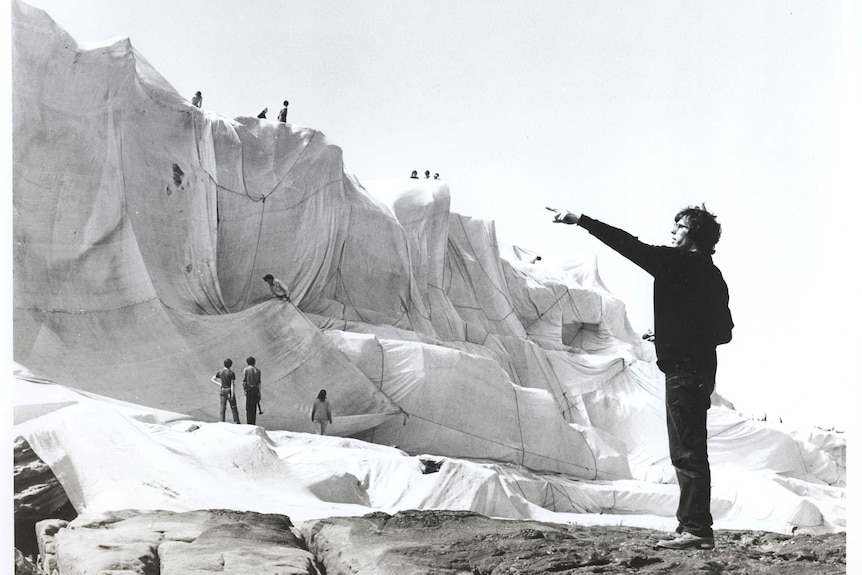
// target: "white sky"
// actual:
[[626, 111]]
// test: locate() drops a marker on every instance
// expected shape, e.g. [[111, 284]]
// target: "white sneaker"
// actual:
[[686, 540], [669, 535]]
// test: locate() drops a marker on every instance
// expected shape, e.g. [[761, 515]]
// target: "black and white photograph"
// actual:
[[396, 287]]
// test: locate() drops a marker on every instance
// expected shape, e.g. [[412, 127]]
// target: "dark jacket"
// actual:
[[690, 297]]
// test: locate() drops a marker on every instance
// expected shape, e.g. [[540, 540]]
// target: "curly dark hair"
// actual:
[[703, 227]]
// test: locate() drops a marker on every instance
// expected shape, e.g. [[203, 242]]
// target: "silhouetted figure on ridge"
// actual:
[[436, 176], [262, 115], [413, 175], [197, 99], [427, 174], [282, 116]]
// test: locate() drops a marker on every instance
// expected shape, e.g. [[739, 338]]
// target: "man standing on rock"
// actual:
[[251, 386], [690, 304]]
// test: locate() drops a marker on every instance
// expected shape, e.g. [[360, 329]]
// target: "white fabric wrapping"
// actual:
[[143, 227]]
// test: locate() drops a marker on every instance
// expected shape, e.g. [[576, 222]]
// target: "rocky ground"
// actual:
[[462, 542], [407, 543], [51, 540], [38, 495]]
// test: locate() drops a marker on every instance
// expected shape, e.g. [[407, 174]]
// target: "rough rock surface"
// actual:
[[24, 566], [167, 543], [444, 542], [38, 495], [407, 543]]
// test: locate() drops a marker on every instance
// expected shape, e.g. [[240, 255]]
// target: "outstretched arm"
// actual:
[[622, 242]]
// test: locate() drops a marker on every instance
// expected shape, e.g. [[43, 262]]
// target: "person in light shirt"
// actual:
[[321, 413], [225, 378], [277, 287]]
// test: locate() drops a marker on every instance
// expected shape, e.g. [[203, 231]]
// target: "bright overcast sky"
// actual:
[[626, 111]]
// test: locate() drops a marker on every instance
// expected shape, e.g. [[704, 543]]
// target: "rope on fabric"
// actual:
[[520, 428], [409, 304], [594, 469], [254, 257]]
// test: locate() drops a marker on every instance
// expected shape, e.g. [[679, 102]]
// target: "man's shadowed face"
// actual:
[[679, 236]]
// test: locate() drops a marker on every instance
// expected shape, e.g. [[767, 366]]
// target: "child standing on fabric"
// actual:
[[321, 413]]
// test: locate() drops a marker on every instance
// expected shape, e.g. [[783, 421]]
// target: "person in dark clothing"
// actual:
[[262, 115], [692, 317], [282, 115], [197, 99], [225, 379], [251, 386]]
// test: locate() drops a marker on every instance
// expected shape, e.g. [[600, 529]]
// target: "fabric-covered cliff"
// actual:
[[143, 227]]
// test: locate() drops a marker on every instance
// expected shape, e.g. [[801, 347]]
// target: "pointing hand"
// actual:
[[564, 218]]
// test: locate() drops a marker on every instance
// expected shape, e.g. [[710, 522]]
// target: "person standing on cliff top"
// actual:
[[277, 287], [197, 100], [282, 115], [225, 379], [690, 304]]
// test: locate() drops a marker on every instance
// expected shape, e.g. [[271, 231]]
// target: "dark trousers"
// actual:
[[224, 399], [252, 398], [687, 390]]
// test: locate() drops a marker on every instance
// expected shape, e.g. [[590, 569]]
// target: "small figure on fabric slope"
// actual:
[[277, 287]]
